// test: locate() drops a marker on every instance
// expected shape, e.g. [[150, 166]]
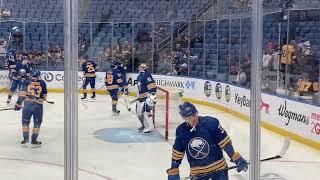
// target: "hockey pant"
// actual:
[[92, 82], [31, 109], [14, 86], [114, 93], [144, 113]]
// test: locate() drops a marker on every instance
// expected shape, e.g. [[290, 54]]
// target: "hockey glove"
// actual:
[[242, 164], [17, 107], [151, 100], [173, 174]]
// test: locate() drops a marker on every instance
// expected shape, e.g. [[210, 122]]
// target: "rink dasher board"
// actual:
[[293, 118]]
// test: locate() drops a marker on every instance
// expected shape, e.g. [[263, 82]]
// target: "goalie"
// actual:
[[146, 98]]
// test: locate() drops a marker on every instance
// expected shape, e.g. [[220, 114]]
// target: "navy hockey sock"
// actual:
[[114, 107], [35, 134], [25, 132]]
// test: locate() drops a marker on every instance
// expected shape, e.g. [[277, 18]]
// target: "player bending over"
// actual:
[[33, 92], [89, 69], [202, 138], [113, 82], [146, 98]]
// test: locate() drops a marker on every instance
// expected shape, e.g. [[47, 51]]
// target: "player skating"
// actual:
[[113, 82], [89, 69], [202, 139], [33, 92], [146, 98]]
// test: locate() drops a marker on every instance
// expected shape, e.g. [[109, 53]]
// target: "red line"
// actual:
[[54, 164]]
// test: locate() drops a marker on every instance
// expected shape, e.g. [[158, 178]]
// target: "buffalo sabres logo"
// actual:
[[198, 148]]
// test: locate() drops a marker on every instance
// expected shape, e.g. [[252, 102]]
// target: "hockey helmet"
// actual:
[[142, 67], [35, 73], [22, 72], [114, 63], [187, 109]]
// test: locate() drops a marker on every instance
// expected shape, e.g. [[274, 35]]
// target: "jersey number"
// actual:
[[90, 68], [34, 90], [109, 78]]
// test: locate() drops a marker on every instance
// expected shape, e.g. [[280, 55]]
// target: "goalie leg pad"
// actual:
[[149, 121], [140, 108]]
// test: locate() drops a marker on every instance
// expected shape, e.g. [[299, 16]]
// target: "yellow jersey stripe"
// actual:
[[222, 141], [177, 152], [218, 165], [90, 75], [110, 87]]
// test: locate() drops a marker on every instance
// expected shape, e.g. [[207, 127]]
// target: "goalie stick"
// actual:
[[283, 151], [128, 104]]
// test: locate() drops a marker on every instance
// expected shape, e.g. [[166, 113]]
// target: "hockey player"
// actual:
[[33, 93], [89, 69], [146, 98], [113, 82], [21, 72], [123, 70], [202, 139], [10, 63]]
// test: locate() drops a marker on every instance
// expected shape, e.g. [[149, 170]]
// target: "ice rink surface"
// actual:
[[100, 159]]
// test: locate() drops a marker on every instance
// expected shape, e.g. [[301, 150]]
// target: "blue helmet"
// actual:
[[22, 72], [187, 109], [114, 63], [35, 73]]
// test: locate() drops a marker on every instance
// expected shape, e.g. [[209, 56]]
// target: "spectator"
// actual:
[[81, 44], [246, 68], [183, 70], [126, 51], [3, 46], [5, 13], [303, 54], [17, 36], [234, 65]]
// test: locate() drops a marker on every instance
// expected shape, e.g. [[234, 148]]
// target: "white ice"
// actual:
[[100, 160]]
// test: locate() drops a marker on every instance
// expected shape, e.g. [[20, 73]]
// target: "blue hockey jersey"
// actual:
[[89, 68], [34, 91], [203, 146], [146, 85], [113, 79], [19, 66]]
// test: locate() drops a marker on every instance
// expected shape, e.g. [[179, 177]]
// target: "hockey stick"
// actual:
[[50, 102], [133, 100], [100, 87], [283, 151], [6, 109], [127, 104]]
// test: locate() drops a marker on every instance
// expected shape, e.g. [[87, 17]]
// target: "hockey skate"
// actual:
[[35, 143], [140, 129], [8, 100], [93, 96], [24, 143], [116, 113], [84, 97]]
